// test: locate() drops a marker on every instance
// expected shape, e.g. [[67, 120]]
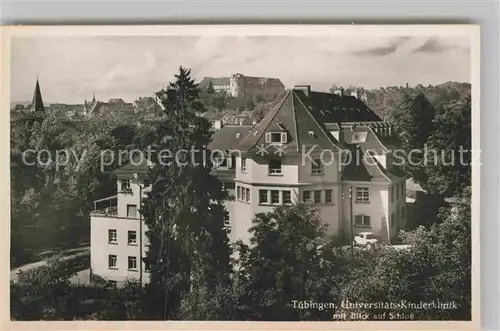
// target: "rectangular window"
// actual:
[[397, 192], [132, 263], [328, 196], [362, 194], [263, 196], [392, 193], [112, 283], [243, 194], [306, 196], [275, 197], [132, 237], [131, 210], [287, 197], [274, 167], [317, 196], [125, 183], [362, 220], [112, 236], [392, 219], [316, 167], [243, 164], [248, 195], [238, 193], [112, 261]]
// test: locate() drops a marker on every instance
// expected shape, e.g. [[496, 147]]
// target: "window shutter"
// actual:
[[283, 138], [268, 137]]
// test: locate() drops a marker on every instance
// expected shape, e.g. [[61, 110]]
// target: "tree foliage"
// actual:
[[284, 264], [413, 118], [436, 269], [50, 202], [45, 293], [452, 140], [184, 211]]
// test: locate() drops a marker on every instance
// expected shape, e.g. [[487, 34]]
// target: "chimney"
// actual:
[[304, 88], [355, 94]]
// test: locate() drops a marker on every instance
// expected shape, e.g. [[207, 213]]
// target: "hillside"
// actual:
[[382, 100]]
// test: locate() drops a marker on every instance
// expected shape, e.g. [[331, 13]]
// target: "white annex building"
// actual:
[[313, 146]]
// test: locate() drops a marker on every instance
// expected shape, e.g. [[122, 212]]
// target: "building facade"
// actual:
[[118, 240], [239, 85], [329, 150]]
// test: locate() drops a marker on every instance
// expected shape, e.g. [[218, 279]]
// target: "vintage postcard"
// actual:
[[241, 177]]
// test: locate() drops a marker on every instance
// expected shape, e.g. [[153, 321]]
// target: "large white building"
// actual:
[[294, 154], [328, 149], [239, 85]]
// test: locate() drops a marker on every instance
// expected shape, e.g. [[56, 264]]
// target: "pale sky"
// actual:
[[70, 69]]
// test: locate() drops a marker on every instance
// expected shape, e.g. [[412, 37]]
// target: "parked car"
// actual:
[[366, 239]]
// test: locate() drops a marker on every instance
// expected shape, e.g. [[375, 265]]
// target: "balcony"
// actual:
[[108, 211], [105, 207]]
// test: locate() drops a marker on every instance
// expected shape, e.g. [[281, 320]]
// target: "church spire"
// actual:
[[37, 103], [93, 97]]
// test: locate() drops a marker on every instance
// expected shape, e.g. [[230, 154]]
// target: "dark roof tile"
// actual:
[[332, 108], [293, 117], [228, 137]]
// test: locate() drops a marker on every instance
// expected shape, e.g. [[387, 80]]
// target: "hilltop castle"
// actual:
[[239, 85]]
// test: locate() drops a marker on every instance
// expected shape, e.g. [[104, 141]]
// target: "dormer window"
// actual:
[[276, 138]]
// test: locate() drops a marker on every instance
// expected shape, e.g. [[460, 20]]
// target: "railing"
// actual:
[[108, 211]]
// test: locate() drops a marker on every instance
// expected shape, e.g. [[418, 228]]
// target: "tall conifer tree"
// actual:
[[184, 211]]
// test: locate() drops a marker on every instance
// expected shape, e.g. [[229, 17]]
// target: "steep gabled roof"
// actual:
[[228, 137], [392, 141], [363, 166], [333, 108], [37, 103], [293, 117]]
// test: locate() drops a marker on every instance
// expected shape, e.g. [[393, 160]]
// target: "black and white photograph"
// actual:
[[244, 173]]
